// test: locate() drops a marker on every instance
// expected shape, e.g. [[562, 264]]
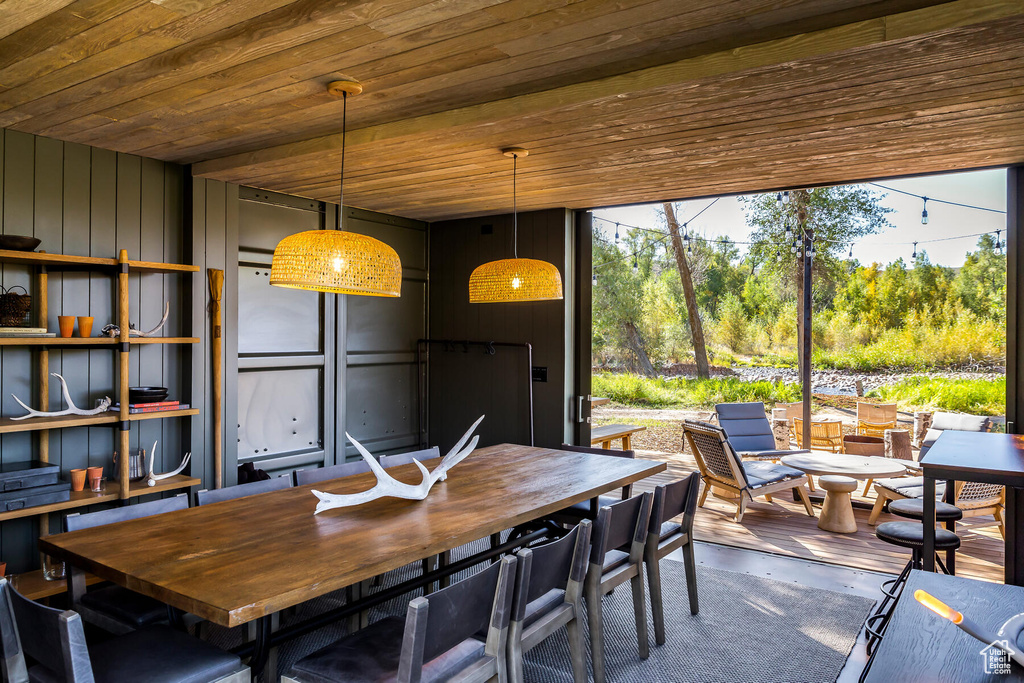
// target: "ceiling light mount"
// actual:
[[344, 86], [515, 152]]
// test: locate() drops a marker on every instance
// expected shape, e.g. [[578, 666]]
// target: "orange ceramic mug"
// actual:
[[67, 325], [78, 480], [85, 326], [94, 473]]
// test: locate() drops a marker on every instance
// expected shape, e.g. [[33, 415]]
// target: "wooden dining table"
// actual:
[[244, 560]]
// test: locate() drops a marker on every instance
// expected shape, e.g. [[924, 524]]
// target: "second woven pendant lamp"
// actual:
[[514, 279], [336, 261]]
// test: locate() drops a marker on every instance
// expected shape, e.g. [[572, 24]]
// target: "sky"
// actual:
[[977, 188]]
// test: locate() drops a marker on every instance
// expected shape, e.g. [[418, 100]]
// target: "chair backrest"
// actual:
[[876, 413], [627, 490], [746, 426], [54, 638], [205, 497], [438, 622], [345, 469], [793, 410], [960, 422], [12, 658], [621, 524], [672, 500], [971, 491], [406, 458], [544, 568], [76, 521], [715, 457]]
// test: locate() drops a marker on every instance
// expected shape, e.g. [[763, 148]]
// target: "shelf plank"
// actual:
[[7, 425], [34, 587], [162, 414], [178, 481], [54, 342], [57, 261], [153, 267], [164, 340]]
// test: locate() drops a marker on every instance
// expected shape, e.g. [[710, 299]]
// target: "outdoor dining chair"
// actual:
[[345, 469], [205, 497], [665, 536], [874, 418], [587, 509], [55, 640], [406, 458], [749, 431], [722, 468], [826, 435], [616, 556], [113, 608], [548, 594], [435, 642]]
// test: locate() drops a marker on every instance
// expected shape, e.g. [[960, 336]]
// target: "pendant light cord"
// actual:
[[344, 130], [515, 215]]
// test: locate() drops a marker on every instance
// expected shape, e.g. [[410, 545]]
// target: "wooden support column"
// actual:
[[807, 247], [1014, 554], [123, 375]]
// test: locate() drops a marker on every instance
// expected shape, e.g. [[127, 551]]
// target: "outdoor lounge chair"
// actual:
[[749, 431], [974, 498], [720, 466]]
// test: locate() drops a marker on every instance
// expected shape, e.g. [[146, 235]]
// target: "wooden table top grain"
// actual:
[[238, 560]]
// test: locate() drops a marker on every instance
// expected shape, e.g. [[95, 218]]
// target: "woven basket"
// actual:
[[13, 306]]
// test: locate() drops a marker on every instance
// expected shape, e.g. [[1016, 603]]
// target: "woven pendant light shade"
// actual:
[[514, 279], [337, 262]]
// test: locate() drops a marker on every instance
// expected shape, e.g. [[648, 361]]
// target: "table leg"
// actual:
[[1013, 559], [950, 497], [607, 445], [627, 442], [261, 651], [928, 520]]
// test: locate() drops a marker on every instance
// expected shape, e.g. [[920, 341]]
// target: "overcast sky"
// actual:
[[978, 188]]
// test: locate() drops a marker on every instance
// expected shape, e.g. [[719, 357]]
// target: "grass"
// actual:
[[634, 390], [976, 396]]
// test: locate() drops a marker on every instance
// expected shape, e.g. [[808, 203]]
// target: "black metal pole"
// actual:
[[807, 245]]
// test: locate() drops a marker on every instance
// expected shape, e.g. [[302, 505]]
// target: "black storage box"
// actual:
[[37, 495], [15, 476]]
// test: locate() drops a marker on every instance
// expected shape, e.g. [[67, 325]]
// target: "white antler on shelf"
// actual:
[[163, 321], [152, 479], [389, 486], [72, 409]]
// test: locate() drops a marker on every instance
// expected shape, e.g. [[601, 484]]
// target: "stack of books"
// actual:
[[157, 407], [25, 332]]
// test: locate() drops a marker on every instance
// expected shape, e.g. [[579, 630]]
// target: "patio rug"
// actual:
[[749, 629]]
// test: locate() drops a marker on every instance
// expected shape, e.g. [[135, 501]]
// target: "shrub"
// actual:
[[977, 396], [630, 389]]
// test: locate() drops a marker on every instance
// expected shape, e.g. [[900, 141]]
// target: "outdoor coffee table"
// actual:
[[853, 466]]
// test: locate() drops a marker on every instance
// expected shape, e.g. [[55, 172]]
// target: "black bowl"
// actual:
[[146, 394], [19, 242]]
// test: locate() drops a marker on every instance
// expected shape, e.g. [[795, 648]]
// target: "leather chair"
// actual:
[[114, 608], [406, 458], [345, 469], [548, 594], [616, 555], [749, 431], [55, 640], [587, 509], [204, 497], [435, 642], [664, 536]]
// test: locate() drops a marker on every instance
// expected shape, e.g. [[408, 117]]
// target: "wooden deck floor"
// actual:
[[783, 527]]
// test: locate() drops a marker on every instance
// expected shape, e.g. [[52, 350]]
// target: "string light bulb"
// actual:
[[924, 212], [593, 280], [616, 233], [999, 243], [686, 233], [636, 266], [915, 250]]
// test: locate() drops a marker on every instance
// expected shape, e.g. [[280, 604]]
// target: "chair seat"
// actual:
[[911, 535], [910, 487], [582, 508], [156, 654], [764, 473], [771, 454], [371, 655], [543, 605], [668, 529], [127, 606], [913, 508], [614, 559]]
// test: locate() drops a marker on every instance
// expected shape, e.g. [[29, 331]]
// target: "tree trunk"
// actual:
[[700, 352], [636, 343]]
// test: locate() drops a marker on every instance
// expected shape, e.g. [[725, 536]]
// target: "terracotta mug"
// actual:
[[67, 325], [93, 473], [78, 480], [85, 326]]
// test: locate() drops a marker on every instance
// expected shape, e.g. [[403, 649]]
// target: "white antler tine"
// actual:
[[375, 467], [441, 471], [64, 390], [465, 437]]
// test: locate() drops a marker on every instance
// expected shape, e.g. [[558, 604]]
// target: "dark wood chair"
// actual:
[[616, 556], [345, 469], [664, 536], [548, 595], [435, 642], [205, 497], [406, 458], [114, 608], [55, 640], [587, 509]]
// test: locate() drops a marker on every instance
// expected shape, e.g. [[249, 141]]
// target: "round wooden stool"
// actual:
[[837, 510]]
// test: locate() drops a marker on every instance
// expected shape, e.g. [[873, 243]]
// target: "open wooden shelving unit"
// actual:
[[119, 488]]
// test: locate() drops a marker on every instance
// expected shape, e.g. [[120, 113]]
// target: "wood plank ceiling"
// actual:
[[618, 101]]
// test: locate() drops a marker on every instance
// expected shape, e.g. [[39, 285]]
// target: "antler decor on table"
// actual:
[[152, 479], [389, 486], [72, 409]]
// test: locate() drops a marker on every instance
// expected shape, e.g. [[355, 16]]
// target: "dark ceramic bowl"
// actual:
[[19, 242], [146, 394]]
